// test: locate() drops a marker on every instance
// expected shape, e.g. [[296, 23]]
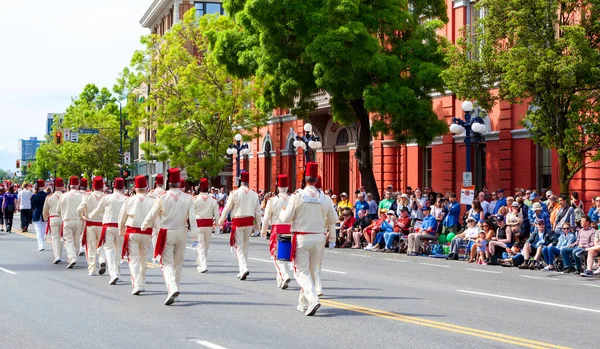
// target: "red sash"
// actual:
[[161, 241], [103, 235], [277, 229], [48, 226], [132, 230], [85, 225], [239, 222], [204, 222]]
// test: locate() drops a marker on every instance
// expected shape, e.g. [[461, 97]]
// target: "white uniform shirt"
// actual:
[[109, 208], [51, 205], [310, 211], [273, 211], [173, 209], [68, 204], [243, 202], [206, 207], [89, 203], [156, 192], [134, 211]]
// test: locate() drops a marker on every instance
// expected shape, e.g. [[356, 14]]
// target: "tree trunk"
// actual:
[[363, 149], [563, 175]]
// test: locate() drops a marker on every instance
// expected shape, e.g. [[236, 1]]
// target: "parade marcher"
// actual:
[[173, 210], [207, 215], [272, 217], [245, 211], [53, 219], [83, 184], [71, 222], [109, 209], [310, 214], [37, 204], [155, 193], [92, 228], [136, 241]]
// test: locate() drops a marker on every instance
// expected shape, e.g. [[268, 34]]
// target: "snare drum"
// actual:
[[284, 247]]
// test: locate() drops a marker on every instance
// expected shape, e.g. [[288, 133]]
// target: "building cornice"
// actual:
[[520, 133], [153, 13], [281, 119]]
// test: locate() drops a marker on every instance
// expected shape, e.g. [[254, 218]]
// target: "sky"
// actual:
[[49, 51]]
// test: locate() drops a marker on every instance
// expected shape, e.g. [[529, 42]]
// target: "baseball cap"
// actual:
[[404, 196], [533, 196], [500, 191], [390, 186], [344, 194], [515, 204], [548, 193], [426, 208], [540, 221], [471, 219], [334, 196], [404, 208], [390, 212], [499, 217]]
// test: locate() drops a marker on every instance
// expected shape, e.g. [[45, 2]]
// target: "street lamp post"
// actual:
[[239, 148], [465, 127], [307, 142]]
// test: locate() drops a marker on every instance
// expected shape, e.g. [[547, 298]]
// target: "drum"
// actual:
[[284, 247]]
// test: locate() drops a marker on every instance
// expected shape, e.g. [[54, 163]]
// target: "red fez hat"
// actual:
[[98, 183], [182, 183], [74, 180], [160, 179], [84, 182], [245, 177], [312, 169], [318, 184], [59, 182], [174, 175], [141, 182], [41, 183], [119, 183], [203, 184], [282, 181]]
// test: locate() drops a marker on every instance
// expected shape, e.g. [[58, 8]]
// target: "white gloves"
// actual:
[[332, 244]]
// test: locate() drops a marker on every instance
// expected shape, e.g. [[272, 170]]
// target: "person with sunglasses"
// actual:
[[553, 249], [594, 212]]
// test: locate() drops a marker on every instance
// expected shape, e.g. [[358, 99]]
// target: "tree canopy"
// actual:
[[378, 60], [176, 87], [547, 53]]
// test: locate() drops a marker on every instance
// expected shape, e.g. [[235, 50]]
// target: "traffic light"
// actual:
[[58, 138], [18, 163], [126, 173]]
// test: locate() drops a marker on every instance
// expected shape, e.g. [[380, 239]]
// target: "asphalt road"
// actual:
[[372, 300]]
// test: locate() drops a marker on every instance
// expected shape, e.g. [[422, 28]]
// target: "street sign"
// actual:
[[89, 131], [467, 179], [467, 194], [74, 137], [127, 158], [67, 134]]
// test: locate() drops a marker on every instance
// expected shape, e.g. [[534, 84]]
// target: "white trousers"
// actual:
[[92, 252], [242, 242], [172, 258], [57, 244], [203, 244], [307, 260], [138, 251], [40, 231], [280, 267], [71, 232], [112, 249]]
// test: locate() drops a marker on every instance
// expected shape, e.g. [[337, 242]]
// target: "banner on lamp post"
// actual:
[[466, 195]]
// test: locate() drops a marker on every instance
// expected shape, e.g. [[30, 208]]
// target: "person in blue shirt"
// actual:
[[594, 211], [37, 204], [501, 202], [427, 231], [450, 222], [361, 204], [535, 198], [537, 213], [553, 249]]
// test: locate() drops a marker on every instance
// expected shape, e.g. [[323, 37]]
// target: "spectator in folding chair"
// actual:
[[387, 226], [359, 226], [346, 229], [585, 240], [426, 232], [400, 231], [466, 237], [592, 253], [553, 249], [371, 231]]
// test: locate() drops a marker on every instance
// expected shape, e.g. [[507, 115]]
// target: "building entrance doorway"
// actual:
[[343, 165]]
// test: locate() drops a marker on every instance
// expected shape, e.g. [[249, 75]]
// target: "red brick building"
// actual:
[[507, 158]]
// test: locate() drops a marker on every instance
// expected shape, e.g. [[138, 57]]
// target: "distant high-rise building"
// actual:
[[27, 149], [50, 121]]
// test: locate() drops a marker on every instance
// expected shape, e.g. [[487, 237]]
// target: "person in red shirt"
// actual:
[[346, 229], [373, 228]]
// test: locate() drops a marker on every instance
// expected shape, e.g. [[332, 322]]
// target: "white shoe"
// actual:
[[301, 308], [285, 284], [369, 247], [312, 308], [136, 291], [171, 298], [597, 271], [202, 270]]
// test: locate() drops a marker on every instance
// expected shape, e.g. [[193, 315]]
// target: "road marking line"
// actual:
[[436, 265], [485, 271], [207, 344], [537, 277], [499, 337], [530, 301], [334, 271], [333, 252], [358, 255], [592, 285], [395, 260], [152, 265], [8, 271], [261, 260]]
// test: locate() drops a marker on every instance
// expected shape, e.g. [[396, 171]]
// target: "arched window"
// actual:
[[268, 161], [342, 137]]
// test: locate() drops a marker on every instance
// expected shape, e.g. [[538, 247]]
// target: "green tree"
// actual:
[[192, 103], [3, 175], [546, 52], [96, 154], [378, 59]]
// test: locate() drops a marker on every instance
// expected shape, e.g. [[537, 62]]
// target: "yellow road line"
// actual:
[[498, 337]]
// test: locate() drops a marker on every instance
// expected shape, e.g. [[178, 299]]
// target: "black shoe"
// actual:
[[450, 256], [454, 257], [102, 269], [244, 275], [57, 261], [71, 265], [569, 270]]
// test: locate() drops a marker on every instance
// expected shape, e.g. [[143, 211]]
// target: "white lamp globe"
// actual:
[[476, 127], [230, 151], [311, 144], [467, 106], [303, 145], [307, 127], [296, 144], [318, 145], [238, 137], [455, 128], [482, 128]]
